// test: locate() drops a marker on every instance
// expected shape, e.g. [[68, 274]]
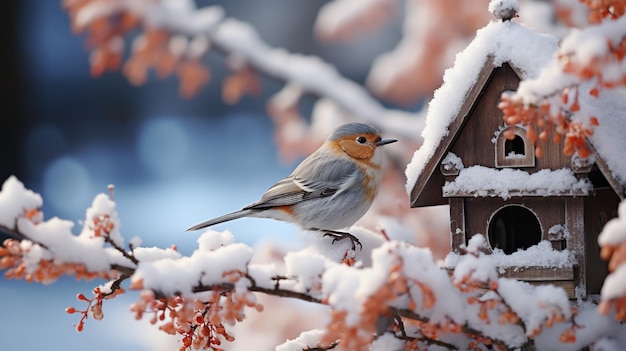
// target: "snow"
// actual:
[[212, 240], [608, 137], [15, 200], [614, 286], [508, 182], [206, 265], [388, 342], [344, 288], [53, 238], [503, 8], [103, 206], [452, 161], [478, 267], [310, 73], [304, 341], [523, 297], [558, 231], [614, 231], [583, 46], [540, 255], [151, 254], [57, 237], [337, 14], [307, 267], [614, 234], [505, 42], [596, 330]]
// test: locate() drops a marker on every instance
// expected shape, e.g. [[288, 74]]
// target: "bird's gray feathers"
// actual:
[[220, 219], [307, 182], [309, 195], [351, 129], [283, 193]]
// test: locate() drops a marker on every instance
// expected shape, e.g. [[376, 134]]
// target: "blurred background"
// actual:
[[173, 161]]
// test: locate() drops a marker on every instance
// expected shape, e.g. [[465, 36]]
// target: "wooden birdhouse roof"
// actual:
[[504, 43], [498, 43]]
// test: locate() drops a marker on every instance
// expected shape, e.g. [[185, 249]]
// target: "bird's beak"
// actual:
[[382, 142]]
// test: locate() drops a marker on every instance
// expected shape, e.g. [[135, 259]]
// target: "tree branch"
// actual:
[[465, 328], [121, 250], [17, 234], [241, 42]]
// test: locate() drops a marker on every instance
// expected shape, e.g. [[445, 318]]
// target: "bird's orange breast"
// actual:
[[356, 150]]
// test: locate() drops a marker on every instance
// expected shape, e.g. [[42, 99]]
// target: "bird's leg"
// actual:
[[338, 236]]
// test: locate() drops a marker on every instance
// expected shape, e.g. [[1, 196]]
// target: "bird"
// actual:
[[329, 190]]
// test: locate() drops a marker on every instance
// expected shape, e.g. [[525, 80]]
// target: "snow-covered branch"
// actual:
[[176, 35], [561, 102], [402, 298]]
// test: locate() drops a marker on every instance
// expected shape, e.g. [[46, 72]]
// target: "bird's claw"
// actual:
[[338, 236]]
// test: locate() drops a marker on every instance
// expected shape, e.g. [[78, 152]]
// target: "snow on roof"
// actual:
[[505, 41], [508, 182], [609, 138]]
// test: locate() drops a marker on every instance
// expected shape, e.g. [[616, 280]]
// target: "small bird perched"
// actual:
[[329, 190]]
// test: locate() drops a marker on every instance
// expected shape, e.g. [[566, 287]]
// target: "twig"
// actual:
[[255, 288], [19, 235], [117, 284], [322, 348], [465, 327], [130, 257]]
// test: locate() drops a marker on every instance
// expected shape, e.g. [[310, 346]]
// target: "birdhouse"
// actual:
[[541, 216]]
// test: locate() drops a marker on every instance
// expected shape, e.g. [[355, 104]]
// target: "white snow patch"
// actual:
[[540, 255], [508, 182], [503, 8], [306, 340], [614, 231], [15, 200]]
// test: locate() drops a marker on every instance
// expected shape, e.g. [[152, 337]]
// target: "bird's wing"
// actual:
[[307, 183]]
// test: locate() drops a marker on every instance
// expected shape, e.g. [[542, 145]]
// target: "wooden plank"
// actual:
[[574, 222], [537, 273], [512, 193], [457, 224]]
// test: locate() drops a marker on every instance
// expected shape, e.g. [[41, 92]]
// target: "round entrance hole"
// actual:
[[512, 228]]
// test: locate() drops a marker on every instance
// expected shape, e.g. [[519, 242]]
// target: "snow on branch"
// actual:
[[402, 298], [559, 103], [612, 240], [175, 36]]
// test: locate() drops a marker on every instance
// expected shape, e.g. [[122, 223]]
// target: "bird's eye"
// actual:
[[361, 140]]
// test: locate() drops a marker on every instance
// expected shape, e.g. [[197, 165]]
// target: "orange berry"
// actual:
[[509, 134]]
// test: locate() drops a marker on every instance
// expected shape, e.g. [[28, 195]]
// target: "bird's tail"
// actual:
[[220, 219]]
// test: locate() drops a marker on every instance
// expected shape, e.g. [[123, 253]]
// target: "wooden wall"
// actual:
[[598, 210]]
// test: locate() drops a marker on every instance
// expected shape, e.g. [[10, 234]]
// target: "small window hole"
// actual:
[[515, 147]]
